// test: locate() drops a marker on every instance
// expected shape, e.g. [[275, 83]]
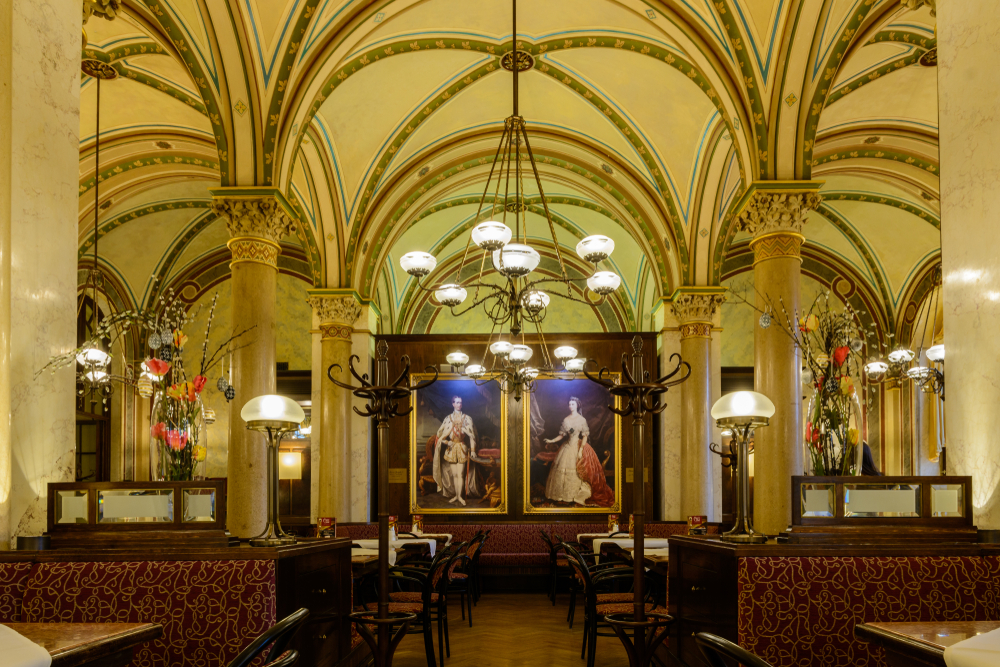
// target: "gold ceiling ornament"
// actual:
[[518, 299], [98, 69], [917, 4], [106, 9]]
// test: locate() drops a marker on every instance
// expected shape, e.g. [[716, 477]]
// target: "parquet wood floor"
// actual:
[[514, 629]]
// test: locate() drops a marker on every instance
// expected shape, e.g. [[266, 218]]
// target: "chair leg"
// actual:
[[429, 640], [447, 640], [440, 624], [583, 649], [470, 609], [593, 643], [572, 605], [461, 602]]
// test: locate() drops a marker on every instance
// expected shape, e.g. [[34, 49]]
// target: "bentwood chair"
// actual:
[[597, 578], [275, 639], [462, 578], [559, 568], [286, 659], [576, 584], [716, 649]]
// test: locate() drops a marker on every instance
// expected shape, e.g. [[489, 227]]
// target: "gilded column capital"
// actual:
[[775, 218], [695, 313], [256, 226], [337, 315]]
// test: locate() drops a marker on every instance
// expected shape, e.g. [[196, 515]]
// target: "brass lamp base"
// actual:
[[744, 538], [271, 541]]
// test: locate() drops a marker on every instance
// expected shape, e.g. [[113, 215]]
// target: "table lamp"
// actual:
[[275, 416], [742, 411]]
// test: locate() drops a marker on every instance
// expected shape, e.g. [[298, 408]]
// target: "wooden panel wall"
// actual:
[[605, 349]]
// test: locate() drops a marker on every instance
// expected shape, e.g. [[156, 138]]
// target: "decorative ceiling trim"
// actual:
[[125, 166], [914, 293], [875, 74], [902, 157], [830, 196], [305, 233], [134, 214], [904, 37], [176, 249]]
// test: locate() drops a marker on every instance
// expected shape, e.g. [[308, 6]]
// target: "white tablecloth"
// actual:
[[580, 536], [659, 553], [18, 651], [398, 544], [628, 542], [356, 551], [445, 537], [979, 651]]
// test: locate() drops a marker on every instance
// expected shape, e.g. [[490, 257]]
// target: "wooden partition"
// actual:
[[604, 349]]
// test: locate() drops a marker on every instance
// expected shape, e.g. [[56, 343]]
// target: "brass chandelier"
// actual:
[[519, 300]]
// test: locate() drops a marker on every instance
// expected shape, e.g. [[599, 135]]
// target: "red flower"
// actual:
[[199, 383], [157, 367], [177, 439], [159, 431], [840, 355]]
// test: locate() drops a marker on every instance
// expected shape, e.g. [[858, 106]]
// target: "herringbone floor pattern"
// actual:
[[514, 630]]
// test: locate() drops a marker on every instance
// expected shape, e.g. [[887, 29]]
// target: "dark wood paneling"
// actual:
[[605, 349]]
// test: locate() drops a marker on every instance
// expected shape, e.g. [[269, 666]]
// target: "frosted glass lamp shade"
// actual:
[[604, 282], [491, 235], [515, 260], [95, 376], [564, 352], [91, 355], [901, 355], [743, 408], [876, 366], [595, 248], [918, 373], [575, 365], [475, 371], [290, 465], [457, 358], [936, 352], [272, 408], [520, 354], [529, 373], [501, 348], [535, 301], [418, 264], [451, 295]]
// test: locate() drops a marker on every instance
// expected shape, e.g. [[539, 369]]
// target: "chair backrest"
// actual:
[[276, 638], [546, 538], [620, 532], [449, 559], [715, 648], [286, 659]]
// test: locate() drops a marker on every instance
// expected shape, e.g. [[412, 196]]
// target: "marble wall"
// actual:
[[968, 34], [39, 126]]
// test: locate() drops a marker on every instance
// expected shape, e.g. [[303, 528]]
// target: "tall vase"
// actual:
[[832, 442], [178, 439]]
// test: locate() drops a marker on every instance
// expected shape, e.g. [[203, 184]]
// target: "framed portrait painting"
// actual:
[[458, 447], [572, 448]]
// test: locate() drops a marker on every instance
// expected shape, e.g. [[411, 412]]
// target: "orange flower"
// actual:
[[179, 339], [159, 431], [183, 391], [177, 440], [157, 367]]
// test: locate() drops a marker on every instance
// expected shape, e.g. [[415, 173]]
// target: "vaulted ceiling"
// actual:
[[379, 121]]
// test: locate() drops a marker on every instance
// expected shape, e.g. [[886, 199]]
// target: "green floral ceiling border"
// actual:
[[726, 231], [304, 232], [177, 248], [915, 294], [878, 154], [901, 204], [115, 57], [208, 95], [874, 75], [904, 37], [119, 220], [138, 163]]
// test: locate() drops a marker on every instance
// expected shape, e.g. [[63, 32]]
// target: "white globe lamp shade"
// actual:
[[515, 260], [564, 352], [604, 282], [918, 372], [91, 355], [457, 358], [418, 264], [529, 373], [901, 355], [272, 408], [595, 248], [575, 365], [876, 367], [95, 376], [451, 295], [491, 235], [743, 408], [475, 371], [936, 352], [535, 301], [501, 348], [520, 354]]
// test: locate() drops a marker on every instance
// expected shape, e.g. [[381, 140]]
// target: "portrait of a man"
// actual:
[[457, 448]]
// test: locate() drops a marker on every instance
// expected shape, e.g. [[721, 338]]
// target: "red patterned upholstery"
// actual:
[[608, 598], [620, 608], [411, 596], [802, 611], [13, 578], [210, 610]]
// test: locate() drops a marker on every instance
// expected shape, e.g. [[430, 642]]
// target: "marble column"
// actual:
[[336, 315], [774, 214], [256, 224], [39, 179], [970, 236], [668, 343], [695, 310]]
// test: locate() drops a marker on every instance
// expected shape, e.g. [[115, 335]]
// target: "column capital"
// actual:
[[337, 314], [257, 219], [695, 309], [777, 207]]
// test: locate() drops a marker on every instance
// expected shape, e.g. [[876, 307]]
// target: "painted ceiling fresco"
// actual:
[[379, 121]]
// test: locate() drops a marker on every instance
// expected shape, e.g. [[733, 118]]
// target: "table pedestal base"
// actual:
[[651, 633], [382, 655]]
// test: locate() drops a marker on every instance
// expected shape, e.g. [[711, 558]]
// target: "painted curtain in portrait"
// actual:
[[458, 447], [572, 448]]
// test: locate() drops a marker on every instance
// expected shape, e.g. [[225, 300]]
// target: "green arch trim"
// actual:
[[876, 74], [115, 57], [176, 249], [201, 80], [304, 232], [390, 222], [916, 292], [136, 213], [726, 231], [835, 219], [139, 163], [878, 154], [901, 204], [904, 37], [819, 99]]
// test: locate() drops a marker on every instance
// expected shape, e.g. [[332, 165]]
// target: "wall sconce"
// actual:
[[289, 465]]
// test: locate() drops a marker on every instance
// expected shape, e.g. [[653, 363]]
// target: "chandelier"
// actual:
[[520, 298], [903, 363]]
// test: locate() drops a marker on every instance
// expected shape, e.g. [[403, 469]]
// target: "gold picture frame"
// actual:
[[539, 454], [431, 476]]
